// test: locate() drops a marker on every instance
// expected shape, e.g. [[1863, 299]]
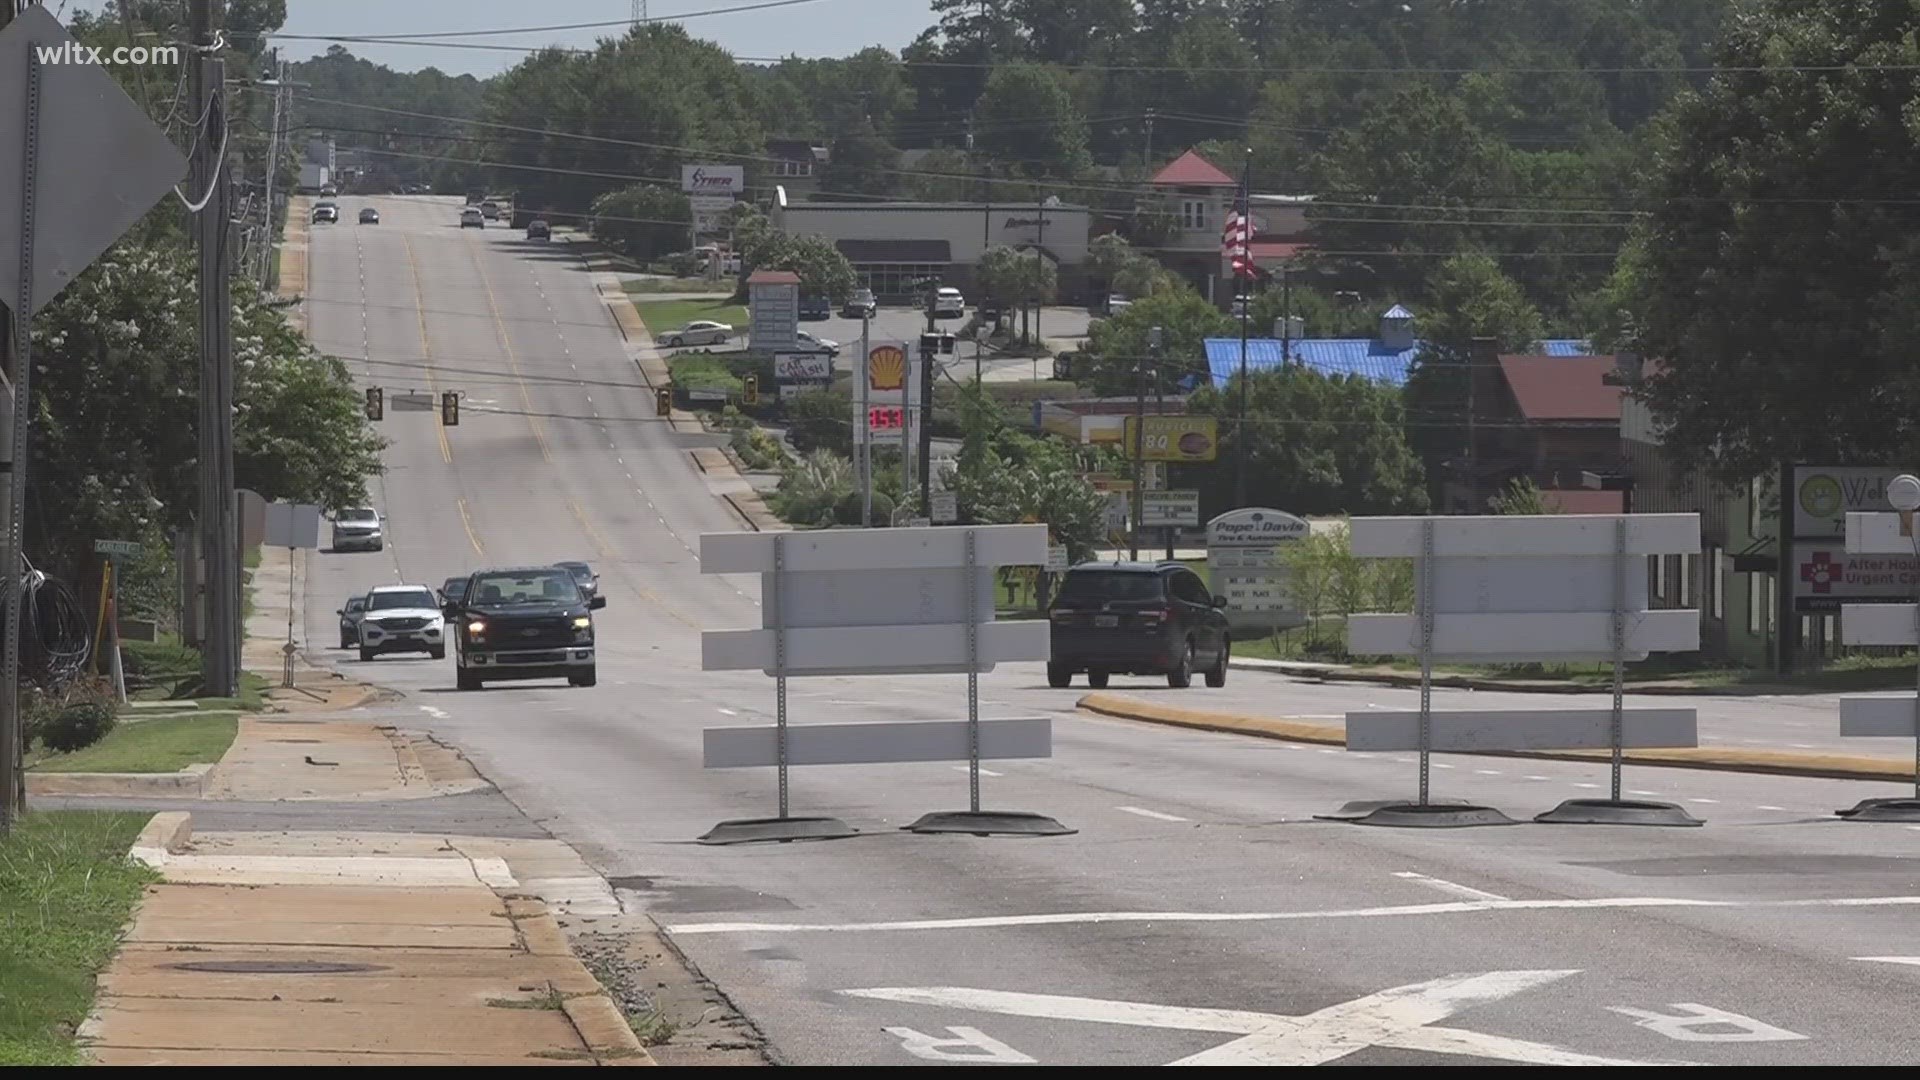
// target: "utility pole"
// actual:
[[15, 342], [1480, 351], [1241, 441], [865, 420], [1149, 155], [220, 543], [929, 346], [273, 170], [1156, 340], [1140, 370]]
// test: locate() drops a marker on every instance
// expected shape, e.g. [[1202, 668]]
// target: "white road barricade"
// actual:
[[1881, 716], [1556, 588], [877, 602]]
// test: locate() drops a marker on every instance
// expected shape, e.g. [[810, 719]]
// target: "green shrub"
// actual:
[[756, 449], [83, 716], [820, 420], [847, 510]]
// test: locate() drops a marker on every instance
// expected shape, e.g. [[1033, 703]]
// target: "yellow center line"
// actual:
[[426, 351], [466, 520], [513, 361]]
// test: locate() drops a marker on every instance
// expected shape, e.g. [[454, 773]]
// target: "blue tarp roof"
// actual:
[[1364, 357]]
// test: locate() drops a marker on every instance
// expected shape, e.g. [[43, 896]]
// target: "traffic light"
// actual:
[[752, 394], [376, 403], [450, 408], [663, 401]]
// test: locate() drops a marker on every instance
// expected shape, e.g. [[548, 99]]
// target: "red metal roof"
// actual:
[[1585, 501], [1563, 387], [773, 277], [1192, 170]]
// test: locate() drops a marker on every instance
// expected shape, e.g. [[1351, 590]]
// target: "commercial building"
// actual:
[[893, 244], [1194, 196]]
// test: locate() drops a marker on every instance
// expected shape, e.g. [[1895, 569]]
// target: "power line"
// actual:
[[638, 17]]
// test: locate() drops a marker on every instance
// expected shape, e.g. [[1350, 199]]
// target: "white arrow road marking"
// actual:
[[1446, 886], [1400, 1018], [436, 713], [1692, 1021], [1141, 811], [971, 1045]]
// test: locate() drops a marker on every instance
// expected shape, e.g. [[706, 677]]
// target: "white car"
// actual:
[[471, 218], [948, 303], [402, 618], [816, 344], [357, 528], [699, 332]]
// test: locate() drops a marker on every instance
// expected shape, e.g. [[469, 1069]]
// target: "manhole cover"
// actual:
[[275, 967], [294, 740]]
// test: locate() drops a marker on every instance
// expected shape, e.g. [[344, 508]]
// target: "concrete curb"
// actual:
[[1411, 680], [1716, 759], [190, 781], [594, 1016]]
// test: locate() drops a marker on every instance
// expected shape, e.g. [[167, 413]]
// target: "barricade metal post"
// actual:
[[785, 827], [974, 820], [1615, 810]]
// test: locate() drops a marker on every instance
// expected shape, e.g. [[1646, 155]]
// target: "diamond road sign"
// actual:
[[102, 163]]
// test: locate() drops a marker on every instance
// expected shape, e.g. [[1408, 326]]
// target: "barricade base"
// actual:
[[1360, 808], [1903, 808], [1618, 812], [1413, 815], [989, 823], [777, 829]]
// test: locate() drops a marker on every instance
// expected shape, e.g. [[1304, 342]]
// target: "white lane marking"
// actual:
[[436, 713], [981, 1048], [1532, 776], [729, 712], [1764, 806], [1638, 791], [1401, 1017], [1446, 886], [1911, 961], [1587, 786], [983, 772], [1693, 1018], [1141, 811], [1708, 801], [1462, 907], [1487, 772], [1801, 746], [1441, 765]]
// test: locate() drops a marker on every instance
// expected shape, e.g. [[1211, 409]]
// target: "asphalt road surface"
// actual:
[[1199, 915]]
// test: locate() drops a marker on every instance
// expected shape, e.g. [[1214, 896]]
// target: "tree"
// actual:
[[1186, 320], [116, 410], [1774, 277], [1520, 496], [1471, 299], [1026, 117], [861, 162], [1004, 476], [943, 176], [1018, 279], [1316, 445], [822, 268], [1125, 269], [644, 221]]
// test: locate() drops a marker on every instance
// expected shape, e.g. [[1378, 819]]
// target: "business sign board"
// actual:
[[803, 367], [714, 180], [1173, 438], [945, 507], [1824, 496], [889, 412], [773, 317], [1057, 562], [1169, 509], [1246, 560], [1826, 576], [1118, 505], [710, 211]]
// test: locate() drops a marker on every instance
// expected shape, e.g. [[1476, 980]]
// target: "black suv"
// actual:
[[525, 622], [1137, 619]]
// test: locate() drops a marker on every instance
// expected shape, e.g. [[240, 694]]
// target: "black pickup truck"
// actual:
[[525, 622]]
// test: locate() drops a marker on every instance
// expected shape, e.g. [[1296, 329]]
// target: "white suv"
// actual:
[[357, 528], [402, 618], [948, 303]]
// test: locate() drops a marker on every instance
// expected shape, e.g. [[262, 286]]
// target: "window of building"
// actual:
[[793, 167], [1756, 604], [1193, 213], [1659, 574]]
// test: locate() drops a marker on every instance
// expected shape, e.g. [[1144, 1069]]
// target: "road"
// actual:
[[1199, 915]]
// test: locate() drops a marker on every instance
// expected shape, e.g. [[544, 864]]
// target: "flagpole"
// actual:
[[1246, 311]]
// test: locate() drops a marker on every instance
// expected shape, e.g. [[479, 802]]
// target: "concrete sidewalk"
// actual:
[[303, 949]]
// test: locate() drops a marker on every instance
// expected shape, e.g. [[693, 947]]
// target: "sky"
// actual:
[[812, 28]]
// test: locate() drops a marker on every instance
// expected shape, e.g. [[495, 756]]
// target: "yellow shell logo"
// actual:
[[886, 369]]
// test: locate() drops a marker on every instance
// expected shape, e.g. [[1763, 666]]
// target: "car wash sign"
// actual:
[[1245, 558]]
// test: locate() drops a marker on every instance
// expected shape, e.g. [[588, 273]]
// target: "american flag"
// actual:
[[1236, 240]]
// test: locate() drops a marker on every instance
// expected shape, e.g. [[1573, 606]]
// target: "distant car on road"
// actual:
[[1137, 619], [582, 573], [472, 219], [491, 210], [815, 308], [808, 341], [861, 305], [452, 589], [326, 212], [350, 621], [529, 622], [538, 229], [329, 189], [369, 216], [357, 528], [402, 618], [948, 303], [699, 332]]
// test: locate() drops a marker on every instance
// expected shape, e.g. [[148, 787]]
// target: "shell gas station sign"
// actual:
[[887, 389]]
